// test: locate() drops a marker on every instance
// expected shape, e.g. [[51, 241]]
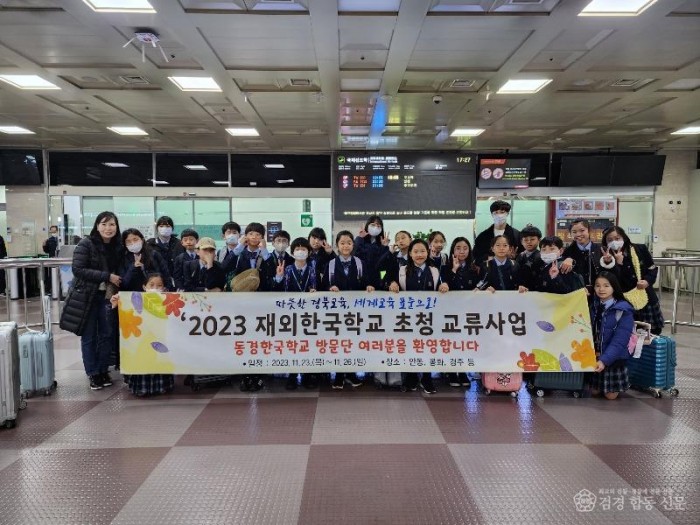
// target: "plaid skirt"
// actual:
[[150, 384], [611, 379], [651, 314]]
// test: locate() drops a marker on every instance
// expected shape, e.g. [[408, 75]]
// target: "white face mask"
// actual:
[[135, 247], [281, 247], [232, 239], [549, 258], [499, 219], [616, 245], [301, 255], [54, 234], [165, 231], [159, 290], [374, 231]]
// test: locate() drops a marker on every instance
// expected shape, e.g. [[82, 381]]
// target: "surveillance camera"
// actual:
[[437, 99]]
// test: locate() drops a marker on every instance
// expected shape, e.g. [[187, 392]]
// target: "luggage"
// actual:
[[501, 382], [388, 379], [196, 382], [36, 358], [569, 381], [10, 399], [150, 384], [655, 370]]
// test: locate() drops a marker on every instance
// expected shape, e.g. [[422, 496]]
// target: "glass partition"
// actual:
[[92, 207]]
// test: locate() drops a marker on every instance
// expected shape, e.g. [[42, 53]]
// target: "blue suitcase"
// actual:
[[655, 370]]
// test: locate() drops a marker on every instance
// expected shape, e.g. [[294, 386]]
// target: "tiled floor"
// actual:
[[220, 456]]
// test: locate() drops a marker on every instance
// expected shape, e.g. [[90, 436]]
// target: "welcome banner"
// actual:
[[238, 333]]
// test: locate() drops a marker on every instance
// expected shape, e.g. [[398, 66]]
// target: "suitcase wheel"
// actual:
[[674, 392], [10, 423], [513, 394], [487, 392], [657, 394], [55, 384], [577, 394], [195, 387], [540, 392]]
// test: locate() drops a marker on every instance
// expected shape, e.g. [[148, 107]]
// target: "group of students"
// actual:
[[615, 273]]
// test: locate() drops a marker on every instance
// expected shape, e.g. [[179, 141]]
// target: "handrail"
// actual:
[[678, 265], [38, 263]]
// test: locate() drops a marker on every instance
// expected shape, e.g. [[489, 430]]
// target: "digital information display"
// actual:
[[504, 173], [403, 185]]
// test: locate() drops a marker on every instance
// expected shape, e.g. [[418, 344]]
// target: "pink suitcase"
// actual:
[[502, 382]]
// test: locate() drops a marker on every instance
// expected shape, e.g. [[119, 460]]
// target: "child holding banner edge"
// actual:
[[419, 275], [345, 273]]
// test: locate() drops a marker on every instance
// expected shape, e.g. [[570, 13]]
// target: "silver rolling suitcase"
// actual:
[[36, 358], [10, 399]]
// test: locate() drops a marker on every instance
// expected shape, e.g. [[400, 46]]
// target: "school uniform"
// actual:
[[261, 260], [529, 267], [321, 258], [134, 279], [648, 271], [482, 243], [563, 283], [466, 277], [613, 322], [199, 278], [168, 250], [500, 275], [586, 262], [180, 267], [284, 257], [439, 261], [371, 251], [419, 278], [390, 264], [228, 259]]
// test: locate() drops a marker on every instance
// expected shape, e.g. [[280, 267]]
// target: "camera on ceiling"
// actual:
[[437, 99]]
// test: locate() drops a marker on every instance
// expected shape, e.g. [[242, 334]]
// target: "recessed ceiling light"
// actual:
[[196, 167], [127, 130], [243, 132], [690, 130], [120, 6], [28, 82], [220, 182], [274, 166], [195, 83], [616, 7], [524, 85], [115, 164], [467, 132], [253, 183], [15, 130], [284, 181]]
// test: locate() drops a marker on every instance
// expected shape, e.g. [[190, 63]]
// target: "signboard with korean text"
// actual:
[[403, 185], [238, 333]]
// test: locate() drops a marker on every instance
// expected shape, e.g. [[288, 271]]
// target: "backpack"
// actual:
[[402, 276], [638, 338], [248, 280], [331, 269]]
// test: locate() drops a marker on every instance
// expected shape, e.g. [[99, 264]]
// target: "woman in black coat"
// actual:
[[86, 312]]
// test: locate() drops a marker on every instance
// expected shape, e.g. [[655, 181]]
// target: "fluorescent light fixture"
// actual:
[[120, 6], [15, 130], [274, 166], [467, 132], [243, 132], [690, 130], [115, 164], [523, 85], [155, 181], [28, 82], [579, 131], [616, 7], [195, 83], [195, 167], [284, 181], [220, 182], [127, 130], [253, 183]]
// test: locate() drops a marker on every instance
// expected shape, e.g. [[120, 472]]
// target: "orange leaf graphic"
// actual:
[[129, 323]]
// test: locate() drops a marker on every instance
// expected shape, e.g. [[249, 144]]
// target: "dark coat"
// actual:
[[466, 278], [198, 279], [133, 279], [611, 335], [482, 244], [180, 268], [51, 246], [371, 254], [561, 284], [351, 281], [587, 263], [649, 271], [168, 251], [503, 277], [268, 270], [529, 269], [90, 269]]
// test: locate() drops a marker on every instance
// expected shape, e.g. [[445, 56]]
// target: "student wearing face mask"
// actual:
[[302, 276], [550, 278], [482, 245], [142, 385], [139, 261], [226, 256], [635, 269], [280, 245], [166, 243], [583, 254], [371, 245]]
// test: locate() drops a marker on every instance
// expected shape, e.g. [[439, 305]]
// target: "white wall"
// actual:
[[27, 219], [693, 234]]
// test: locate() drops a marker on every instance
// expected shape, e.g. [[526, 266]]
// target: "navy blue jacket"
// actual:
[[345, 283], [561, 284], [134, 278], [198, 279], [466, 278], [180, 267], [503, 277], [612, 336], [370, 253]]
